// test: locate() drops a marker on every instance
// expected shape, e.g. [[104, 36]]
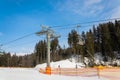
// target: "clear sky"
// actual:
[[22, 17]]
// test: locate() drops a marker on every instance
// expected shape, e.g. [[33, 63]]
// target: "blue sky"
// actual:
[[21, 17]]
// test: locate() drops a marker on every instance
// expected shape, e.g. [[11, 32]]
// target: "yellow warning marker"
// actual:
[[98, 70]]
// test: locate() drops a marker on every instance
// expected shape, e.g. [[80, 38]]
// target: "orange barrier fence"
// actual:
[[110, 73], [73, 71]]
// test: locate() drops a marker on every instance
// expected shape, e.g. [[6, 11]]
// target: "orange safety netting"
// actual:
[[110, 73]]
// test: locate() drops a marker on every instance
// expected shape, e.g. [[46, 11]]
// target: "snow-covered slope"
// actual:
[[63, 64], [100, 60], [32, 74]]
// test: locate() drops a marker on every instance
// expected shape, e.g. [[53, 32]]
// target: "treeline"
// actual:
[[103, 39], [8, 60], [57, 53]]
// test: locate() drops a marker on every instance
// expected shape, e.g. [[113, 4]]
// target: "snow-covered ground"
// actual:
[[99, 59], [34, 74], [63, 64]]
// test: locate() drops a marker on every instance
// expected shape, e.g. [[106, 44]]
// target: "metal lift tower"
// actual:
[[49, 34]]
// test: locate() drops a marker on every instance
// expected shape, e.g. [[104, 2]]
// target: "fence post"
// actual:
[[59, 69], [76, 69], [98, 70]]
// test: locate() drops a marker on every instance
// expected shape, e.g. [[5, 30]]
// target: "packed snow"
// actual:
[[34, 74], [99, 59], [63, 64]]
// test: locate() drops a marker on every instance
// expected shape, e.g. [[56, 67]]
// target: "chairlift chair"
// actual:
[[81, 42]]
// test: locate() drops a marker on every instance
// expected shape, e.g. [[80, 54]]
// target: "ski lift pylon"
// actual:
[[80, 42]]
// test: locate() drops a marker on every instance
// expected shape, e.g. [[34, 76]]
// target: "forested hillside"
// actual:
[[103, 39]]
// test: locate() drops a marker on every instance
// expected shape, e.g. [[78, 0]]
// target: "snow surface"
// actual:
[[34, 74], [63, 64], [99, 59]]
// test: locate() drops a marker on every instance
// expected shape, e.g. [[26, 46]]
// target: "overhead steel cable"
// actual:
[[85, 22], [59, 26], [12, 41]]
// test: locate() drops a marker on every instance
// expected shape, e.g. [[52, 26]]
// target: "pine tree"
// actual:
[[73, 39], [117, 25], [40, 52], [90, 45], [106, 42], [54, 45]]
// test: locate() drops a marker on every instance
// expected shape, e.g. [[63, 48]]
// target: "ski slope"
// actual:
[[34, 74], [63, 64]]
